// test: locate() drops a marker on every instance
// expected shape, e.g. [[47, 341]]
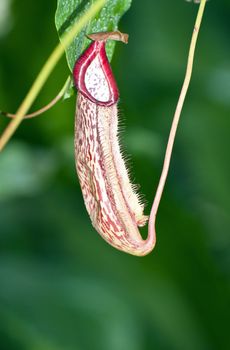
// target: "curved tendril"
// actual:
[[46, 107]]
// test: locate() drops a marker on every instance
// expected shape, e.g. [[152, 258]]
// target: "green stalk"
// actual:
[[44, 108]]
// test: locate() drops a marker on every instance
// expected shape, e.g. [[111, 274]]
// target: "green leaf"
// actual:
[[69, 11]]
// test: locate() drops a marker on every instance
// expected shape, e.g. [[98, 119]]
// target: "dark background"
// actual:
[[61, 285]]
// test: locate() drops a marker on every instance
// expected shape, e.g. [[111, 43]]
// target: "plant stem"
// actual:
[[46, 71], [176, 118], [46, 107]]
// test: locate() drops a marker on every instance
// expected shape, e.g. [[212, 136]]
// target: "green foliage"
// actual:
[[68, 11]]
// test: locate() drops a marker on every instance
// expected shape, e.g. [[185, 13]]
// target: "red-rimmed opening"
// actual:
[[96, 49]]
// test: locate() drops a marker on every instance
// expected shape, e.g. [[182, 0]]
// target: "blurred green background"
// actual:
[[61, 285]]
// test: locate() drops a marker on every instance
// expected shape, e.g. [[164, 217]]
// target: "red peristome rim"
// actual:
[[95, 48]]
